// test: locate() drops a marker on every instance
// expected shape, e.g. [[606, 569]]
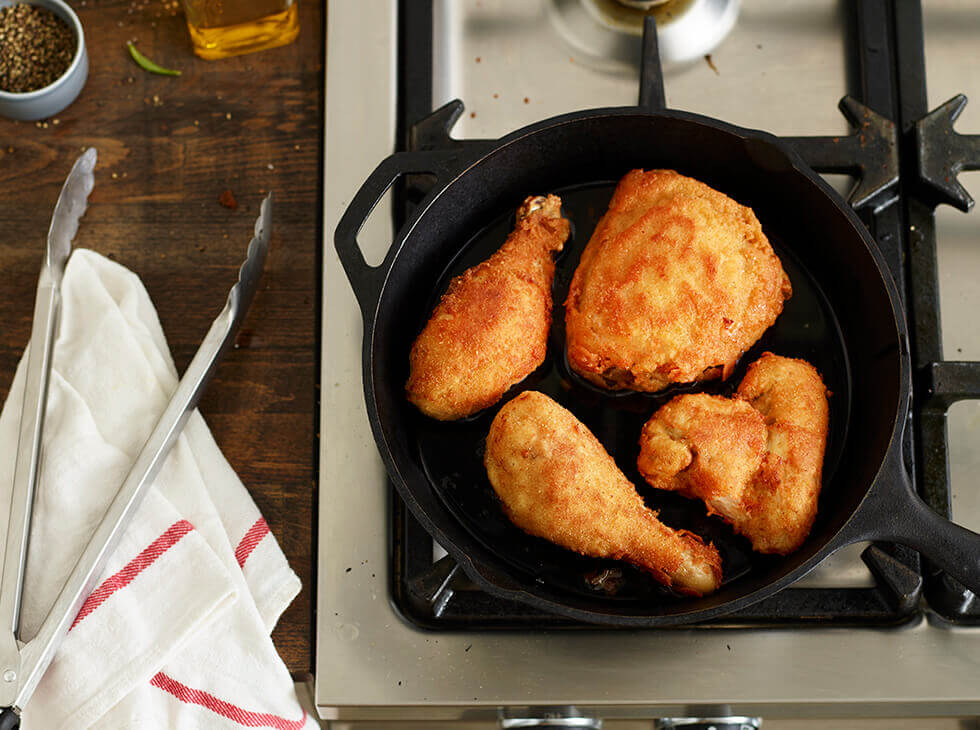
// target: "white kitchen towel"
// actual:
[[176, 633]]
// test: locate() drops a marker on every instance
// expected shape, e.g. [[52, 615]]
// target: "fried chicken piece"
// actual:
[[755, 459], [677, 281], [490, 329], [556, 481]]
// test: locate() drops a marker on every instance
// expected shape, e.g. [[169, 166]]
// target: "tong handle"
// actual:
[[9, 720], [38, 372]]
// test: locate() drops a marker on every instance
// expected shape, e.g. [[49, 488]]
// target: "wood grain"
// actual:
[[168, 147]]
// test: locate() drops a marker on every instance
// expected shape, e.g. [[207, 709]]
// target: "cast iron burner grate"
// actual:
[[903, 170]]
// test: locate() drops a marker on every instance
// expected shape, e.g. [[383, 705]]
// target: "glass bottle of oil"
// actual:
[[222, 28]]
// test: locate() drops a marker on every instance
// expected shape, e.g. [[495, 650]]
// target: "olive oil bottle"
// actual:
[[222, 28]]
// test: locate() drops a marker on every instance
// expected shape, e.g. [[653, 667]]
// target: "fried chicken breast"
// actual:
[[490, 329], [556, 481], [755, 459], [677, 281]]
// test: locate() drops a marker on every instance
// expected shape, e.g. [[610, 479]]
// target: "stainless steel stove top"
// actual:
[[513, 62]]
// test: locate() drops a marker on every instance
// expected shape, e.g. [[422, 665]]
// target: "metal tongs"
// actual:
[[22, 664]]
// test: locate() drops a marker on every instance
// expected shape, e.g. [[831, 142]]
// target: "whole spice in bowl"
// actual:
[[43, 60], [36, 47]]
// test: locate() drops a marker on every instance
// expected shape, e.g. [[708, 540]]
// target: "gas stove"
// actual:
[[402, 634]]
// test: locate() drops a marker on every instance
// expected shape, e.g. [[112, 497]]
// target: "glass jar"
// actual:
[[222, 28]]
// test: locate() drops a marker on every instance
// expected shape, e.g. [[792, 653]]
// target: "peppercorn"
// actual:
[[36, 47]]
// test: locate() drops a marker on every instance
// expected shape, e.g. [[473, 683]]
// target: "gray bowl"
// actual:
[[54, 97]]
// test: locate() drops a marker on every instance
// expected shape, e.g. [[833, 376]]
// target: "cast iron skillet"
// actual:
[[845, 317]]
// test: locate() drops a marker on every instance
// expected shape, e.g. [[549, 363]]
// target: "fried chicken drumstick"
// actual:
[[677, 281], [556, 481], [490, 329], [755, 459]]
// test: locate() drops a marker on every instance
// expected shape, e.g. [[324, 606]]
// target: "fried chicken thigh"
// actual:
[[556, 481], [490, 329], [755, 459], [677, 281]]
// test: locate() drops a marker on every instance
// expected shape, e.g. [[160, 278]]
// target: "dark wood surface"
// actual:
[[168, 147]]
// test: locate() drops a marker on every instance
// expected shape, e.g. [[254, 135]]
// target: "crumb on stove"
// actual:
[[496, 96], [478, 59], [526, 100], [472, 115]]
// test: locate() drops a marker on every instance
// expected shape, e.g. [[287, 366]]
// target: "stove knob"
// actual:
[[549, 717], [708, 723], [588, 723]]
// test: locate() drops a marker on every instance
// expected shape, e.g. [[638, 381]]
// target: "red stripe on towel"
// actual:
[[243, 717], [252, 538], [133, 568]]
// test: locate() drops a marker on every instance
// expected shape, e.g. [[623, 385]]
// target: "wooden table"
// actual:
[[168, 147]]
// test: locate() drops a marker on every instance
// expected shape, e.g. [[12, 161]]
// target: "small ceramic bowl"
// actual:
[[48, 101]]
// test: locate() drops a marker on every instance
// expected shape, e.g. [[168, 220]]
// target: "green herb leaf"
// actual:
[[147, 65]]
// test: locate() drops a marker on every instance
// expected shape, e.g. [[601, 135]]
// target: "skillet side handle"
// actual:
[[950, 547], [367, 280], [9, 720]]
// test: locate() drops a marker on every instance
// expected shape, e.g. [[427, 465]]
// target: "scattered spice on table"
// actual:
[[227, 199], [36, 48]]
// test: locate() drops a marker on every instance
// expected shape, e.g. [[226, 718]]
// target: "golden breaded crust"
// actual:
[[556, 481], [756, 459], [677, 281], [490, 329]]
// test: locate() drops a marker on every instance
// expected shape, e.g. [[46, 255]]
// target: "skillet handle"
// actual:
[[367, 280], [950, 547], [9, 720]]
